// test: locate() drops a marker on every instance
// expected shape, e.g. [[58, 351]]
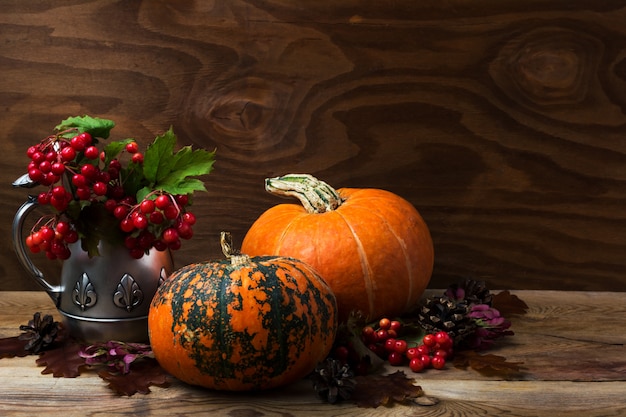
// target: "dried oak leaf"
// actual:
[[62, 360], [11, 347], [140, 377], [376, 390], [509, 304], [487, 364]]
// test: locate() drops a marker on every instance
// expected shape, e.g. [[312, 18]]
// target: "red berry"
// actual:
[[162, 202], [77, 143], [120, 212], [85, 138], [63, 228], [170, 235], [443, 339], [429, 340], [189, 218], [136, 253], [441, 352], [89, 171], [412, 353], [83, 193], [45, 167], [43, 199], [147, 206], [57, 168], [127, 225], [79, 180], [100, 188], [156, 217], [68, 154], [395, 358], [390, 345], [400, 346], [341, 353], [175, 245], [185, 231], [37, 238], [137, 158], [368, 334], [425, 359], [159, 245], [36, 175], [382, 335], [132, 147], [416, 365], [438, 362], [395, 325], [171, 212], [92, 152], [140, 221], [47, 233], [423, 350], [71, 236], [182, 199], [384, 323]]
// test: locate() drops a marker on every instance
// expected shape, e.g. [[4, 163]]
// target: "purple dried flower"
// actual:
[[490, 326], [116, 355]]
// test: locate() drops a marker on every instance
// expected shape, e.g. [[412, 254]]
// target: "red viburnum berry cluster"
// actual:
[[75, 170], [385, 341]]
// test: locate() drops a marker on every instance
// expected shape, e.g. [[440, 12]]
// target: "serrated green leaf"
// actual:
[[168, 171], [194, 162], [96, 127], [158, 158]]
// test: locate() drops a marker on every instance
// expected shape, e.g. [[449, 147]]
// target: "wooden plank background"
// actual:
[[503, 122]]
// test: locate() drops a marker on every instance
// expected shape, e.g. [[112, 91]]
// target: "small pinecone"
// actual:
[[333, 381], [40, 333], [445, 314], [470, 291]]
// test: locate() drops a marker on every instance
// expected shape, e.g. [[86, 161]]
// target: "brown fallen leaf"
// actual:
[[63, 360], [11, 347], [141, 376], [509, 304], [373, 391], [487, 364]]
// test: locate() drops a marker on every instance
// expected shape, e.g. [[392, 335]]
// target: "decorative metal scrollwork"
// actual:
[[84, 294], [128, 294]]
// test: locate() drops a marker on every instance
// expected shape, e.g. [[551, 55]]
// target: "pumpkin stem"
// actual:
[[235, 256], [316, 196]]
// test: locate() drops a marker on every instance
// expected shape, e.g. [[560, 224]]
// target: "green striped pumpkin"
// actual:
[[244, 323]]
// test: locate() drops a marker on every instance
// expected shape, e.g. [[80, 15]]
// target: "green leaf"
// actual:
[[158, 158], [113, 149], [170, 172], [96, 127]]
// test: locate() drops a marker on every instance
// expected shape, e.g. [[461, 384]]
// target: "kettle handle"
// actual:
[[54, 291]]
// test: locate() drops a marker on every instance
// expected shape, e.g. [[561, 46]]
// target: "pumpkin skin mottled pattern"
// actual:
[[374, 250], [258, 325]]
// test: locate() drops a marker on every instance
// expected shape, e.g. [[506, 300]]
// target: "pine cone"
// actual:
[[445, 314], [470, 291], [39, 332], [332, 381]]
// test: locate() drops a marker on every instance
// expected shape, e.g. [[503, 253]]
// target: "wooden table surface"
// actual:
[[572, 345]]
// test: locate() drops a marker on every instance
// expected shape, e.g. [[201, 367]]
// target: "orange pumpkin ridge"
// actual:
[[371, 246]]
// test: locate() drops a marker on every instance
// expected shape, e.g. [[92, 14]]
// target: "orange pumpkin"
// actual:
[[243, 324], [370, 245]]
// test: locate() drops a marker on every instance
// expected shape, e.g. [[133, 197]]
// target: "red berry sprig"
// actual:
[[159, 221], [385, 341]]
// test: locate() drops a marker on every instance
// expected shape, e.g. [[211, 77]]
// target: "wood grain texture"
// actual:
[[573, 345], [503, 122]]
